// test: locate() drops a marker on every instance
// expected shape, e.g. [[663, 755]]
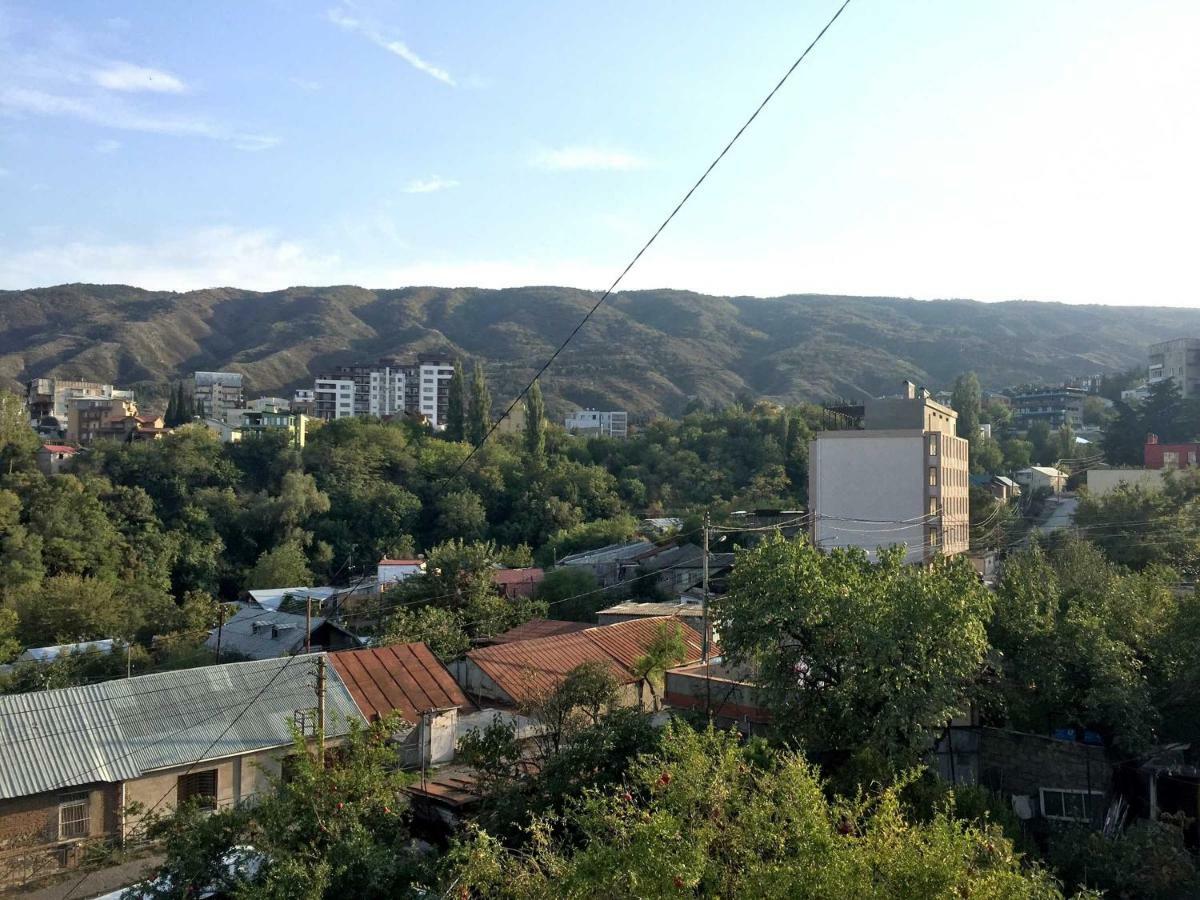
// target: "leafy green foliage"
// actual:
[[572, 594], [1137, 527], [440, 628], [1148, 861], [853, 654], [701, 817]]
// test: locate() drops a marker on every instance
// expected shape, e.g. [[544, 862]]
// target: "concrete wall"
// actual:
[[1104, 481], [867, 475], [239, 778], [29, 843]]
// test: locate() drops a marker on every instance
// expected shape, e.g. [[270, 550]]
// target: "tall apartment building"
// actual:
[[53, 396], [1178, 359], [1054, 406], [903, 479], [597, 423], [388, 388], [215, 393]]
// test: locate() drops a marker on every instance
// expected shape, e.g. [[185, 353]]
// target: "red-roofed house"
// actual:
[[52, 457], [537, 628], [520, 671], [406, 679], [514, 583]]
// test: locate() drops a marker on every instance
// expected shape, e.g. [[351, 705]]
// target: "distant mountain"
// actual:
[[645, 351]]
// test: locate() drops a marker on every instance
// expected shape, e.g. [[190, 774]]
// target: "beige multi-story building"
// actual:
[[902, 480], [214, 393], [1178, 359]]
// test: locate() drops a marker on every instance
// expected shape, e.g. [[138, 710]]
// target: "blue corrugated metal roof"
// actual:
[[121, 729]]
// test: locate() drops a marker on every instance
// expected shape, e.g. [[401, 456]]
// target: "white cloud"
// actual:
[[117, 115], [580, 158], [122, 76], [108, 146], [429, 185], [343, 20]]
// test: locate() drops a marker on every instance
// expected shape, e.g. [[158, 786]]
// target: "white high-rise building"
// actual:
[[598, 423], [386, 391], [333, 398], [388, 388]]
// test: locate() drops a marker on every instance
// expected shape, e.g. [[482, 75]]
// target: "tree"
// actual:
[[171, 416], [1044, 448], [1124, 437], [705, 817], [479, 417], [853, 654], [326, 831], [1095, 411], [986, 456], [71, 608], [966, 401], [456, 418], [282, 566], [10, 646], [535, 423], [20, 551], [441, 629], [666, 649], [575, 702], [18, 442], [572, 594]]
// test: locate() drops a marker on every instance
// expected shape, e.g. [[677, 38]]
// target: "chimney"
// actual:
[[1152, 438], [910, 390]]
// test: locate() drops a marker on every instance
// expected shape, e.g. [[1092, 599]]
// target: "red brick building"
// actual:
[[1170, 456]]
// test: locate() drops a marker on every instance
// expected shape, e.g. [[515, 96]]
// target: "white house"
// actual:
[[1042, 476], [393, 571]]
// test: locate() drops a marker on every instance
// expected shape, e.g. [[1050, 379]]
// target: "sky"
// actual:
[[1030, 149]]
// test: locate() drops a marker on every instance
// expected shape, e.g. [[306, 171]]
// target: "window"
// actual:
[[933, 476], [199, 785], [1069, 806], [74, 816], [933, 445]]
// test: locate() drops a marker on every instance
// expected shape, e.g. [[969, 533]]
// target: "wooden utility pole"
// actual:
[[321, 710], [220, 627], [308, 624], [704, 616]]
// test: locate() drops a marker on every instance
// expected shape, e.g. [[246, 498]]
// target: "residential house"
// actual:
[[721, 692], [47, 655], [1001, 487], [1169, 456], [1058, 779], [903, 480], [406, 680], [88, 763], [262, 634], [297, 597], [690, 614], [1055, 407], [52, 457], [1179, 360], [598, 423], [87, 417], [390, 572], [516, 583], [1037, 477], [674, 567], [516, 672], [605, 562]]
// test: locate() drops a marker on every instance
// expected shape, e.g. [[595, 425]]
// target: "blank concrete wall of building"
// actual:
[[1105, 481], [861, 485]]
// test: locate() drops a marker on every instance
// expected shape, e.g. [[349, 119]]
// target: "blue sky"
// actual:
[[1037, 149]]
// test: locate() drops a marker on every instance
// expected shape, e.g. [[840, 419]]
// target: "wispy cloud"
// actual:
[[338, 16], [123, 76], [119, 116], [581, 158], [108, 146], [429, 185]]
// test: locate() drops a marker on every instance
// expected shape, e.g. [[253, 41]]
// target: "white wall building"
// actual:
[[333, 398], [387, 392], [393, 571], [903, 480], [435, 378], [598, 423]]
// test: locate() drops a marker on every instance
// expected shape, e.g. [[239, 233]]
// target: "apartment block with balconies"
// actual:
[[1179, 360]]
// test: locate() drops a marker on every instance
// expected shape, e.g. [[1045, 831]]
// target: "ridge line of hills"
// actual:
[[647, 351]]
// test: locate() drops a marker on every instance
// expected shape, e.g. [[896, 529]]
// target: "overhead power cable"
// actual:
[[646, 246]]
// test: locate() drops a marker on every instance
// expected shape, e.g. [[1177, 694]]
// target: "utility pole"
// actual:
[[220, 627], [128, 659], [704, 616], [321, 710], [308, 624]]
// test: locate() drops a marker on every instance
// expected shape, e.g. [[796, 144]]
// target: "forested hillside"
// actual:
[[645, 351]]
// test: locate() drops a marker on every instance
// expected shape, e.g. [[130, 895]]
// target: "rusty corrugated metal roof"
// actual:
[[538, 628], [405, 678], [527, 669]]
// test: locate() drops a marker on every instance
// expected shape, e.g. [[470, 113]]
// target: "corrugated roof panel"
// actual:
[[117, 730], [406, 678], [538, 628]]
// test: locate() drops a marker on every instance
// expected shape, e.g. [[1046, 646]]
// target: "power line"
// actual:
[[637, 256]]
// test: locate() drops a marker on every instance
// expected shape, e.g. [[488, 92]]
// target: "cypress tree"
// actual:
[[170, 416], [479, 421], [535, 425], [456, 414]]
